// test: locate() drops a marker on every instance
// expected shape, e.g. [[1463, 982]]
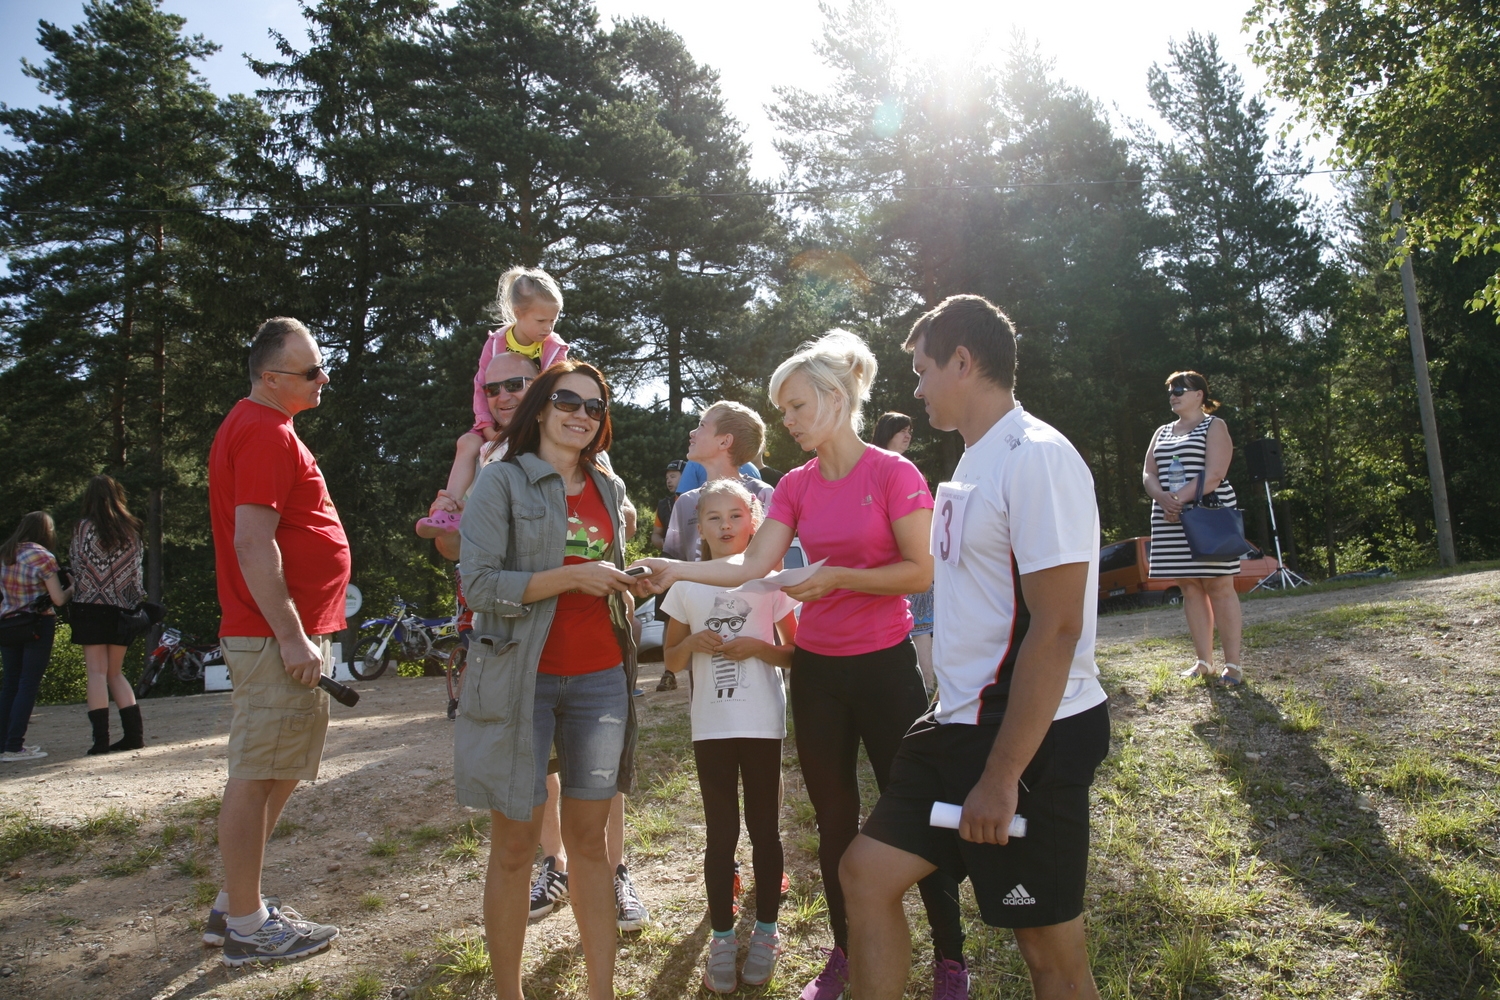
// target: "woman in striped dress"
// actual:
[[1200, 441]]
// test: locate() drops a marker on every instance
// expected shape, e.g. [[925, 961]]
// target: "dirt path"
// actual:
[[376, 845], [1161, 623]]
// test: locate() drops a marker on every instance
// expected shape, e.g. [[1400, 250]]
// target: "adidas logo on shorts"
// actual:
[[1018, 897]]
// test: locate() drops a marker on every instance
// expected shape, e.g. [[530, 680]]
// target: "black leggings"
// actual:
[[837, 702], [721, 765]]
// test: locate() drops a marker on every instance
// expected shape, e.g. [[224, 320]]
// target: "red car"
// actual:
[[1124, 580]]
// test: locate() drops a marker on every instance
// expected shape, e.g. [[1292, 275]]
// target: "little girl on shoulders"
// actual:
[[527, 305]]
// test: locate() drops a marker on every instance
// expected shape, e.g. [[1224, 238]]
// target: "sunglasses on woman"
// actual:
[[510, 385], [569, 401], [1178, 390]]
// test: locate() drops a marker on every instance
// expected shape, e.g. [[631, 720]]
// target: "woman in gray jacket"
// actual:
[[551, 664]]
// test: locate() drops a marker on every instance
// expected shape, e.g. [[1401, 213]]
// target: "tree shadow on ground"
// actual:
[[1339, 854]]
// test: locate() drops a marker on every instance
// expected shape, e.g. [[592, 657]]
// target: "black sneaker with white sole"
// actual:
[[630, 913], [548, 889], [278, 939], [218, 921]]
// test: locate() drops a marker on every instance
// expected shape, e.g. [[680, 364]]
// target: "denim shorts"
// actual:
[[584, 716]]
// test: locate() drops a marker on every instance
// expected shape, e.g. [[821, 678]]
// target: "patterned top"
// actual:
[[24, 580], [1171, 556], [102, 576]]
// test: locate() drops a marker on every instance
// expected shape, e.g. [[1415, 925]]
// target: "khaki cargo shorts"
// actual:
[[278, 726]]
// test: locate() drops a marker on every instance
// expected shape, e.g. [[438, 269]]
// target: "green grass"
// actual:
[[303, 988], [1414, 776], [204, 894], [465, 845], [286, 828], [464, 957], [191, 867], [137, 862], [22, 834], [385, 847], [372, 902], [366, 986], [204, 807]]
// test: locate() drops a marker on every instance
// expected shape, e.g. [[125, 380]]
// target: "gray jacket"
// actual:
[[514, 525]]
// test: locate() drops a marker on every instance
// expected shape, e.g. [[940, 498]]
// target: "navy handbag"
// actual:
[[1213, 533]]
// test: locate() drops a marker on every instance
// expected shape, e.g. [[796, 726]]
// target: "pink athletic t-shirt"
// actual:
[[848, 522]]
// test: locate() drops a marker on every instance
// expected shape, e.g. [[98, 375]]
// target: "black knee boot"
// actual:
[[99, 719], [130, 720]]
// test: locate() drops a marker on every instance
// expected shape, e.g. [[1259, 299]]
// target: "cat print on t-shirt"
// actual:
[[728, 617], [732, 699]]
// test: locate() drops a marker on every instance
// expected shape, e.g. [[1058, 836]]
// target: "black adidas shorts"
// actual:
[[1033, 881]]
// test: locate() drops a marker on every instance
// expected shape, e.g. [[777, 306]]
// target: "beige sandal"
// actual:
[[1232, 677], [1200, 669]]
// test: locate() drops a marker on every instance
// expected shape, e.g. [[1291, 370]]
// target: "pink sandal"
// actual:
[[442, 520]]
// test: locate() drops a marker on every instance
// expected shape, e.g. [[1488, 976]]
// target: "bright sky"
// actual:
[[1104, 48]]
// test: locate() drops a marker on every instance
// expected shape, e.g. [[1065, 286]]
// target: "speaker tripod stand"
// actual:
[[1280, 578]]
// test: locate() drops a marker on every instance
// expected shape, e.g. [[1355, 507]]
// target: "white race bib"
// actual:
[[948, 520]]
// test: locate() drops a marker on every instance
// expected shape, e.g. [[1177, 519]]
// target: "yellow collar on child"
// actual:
[[532, 351]]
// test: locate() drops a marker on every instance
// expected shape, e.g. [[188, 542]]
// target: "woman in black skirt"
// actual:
[[106, 556]]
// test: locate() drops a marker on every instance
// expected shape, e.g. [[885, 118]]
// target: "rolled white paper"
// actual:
[[947, 815]]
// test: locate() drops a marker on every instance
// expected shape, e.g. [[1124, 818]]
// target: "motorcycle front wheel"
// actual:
[[363, 664]]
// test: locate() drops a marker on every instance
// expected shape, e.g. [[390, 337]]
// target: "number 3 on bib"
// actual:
[[948, 520]]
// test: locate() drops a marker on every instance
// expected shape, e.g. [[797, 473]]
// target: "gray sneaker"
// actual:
[[25, 753], [278, 939], [218, 920], [719, 976], [630, 913], [760, 961]]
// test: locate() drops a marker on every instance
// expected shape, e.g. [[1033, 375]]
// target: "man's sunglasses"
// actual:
[[569, 401], [510, 385], [311, 374]]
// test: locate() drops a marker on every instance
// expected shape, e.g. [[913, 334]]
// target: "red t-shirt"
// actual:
[[848, 522], [257, 458], [582, 638]]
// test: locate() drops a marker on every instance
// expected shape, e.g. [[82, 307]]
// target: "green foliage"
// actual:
[[402, 154], [1406, 89]]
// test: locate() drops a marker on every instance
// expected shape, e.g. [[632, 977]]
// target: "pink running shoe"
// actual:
[[832, 981], [442, 520], [950, 981]]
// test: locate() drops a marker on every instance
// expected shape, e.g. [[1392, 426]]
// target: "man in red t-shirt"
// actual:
[[282, 563]]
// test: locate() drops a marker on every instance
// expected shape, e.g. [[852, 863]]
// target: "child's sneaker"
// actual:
[[760, 961], [277, 940], [549, 889], [25, 753], [218, 921], [630, 913], [719, 975], [832, 981], [442, 520], [950, 981]]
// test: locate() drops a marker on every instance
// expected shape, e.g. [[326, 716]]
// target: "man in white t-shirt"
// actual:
[[1021, 721]]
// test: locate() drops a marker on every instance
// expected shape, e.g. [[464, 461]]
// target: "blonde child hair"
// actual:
[[521, 286], [744, 423], [728, 487], [840, 367]]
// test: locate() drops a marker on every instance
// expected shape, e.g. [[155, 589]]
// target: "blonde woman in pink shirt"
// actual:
[[854, 675]]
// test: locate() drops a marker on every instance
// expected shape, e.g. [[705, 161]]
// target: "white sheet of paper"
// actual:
[[948, 520], [782, 578]]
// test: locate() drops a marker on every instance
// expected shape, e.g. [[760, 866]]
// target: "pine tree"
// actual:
[[103, 232]]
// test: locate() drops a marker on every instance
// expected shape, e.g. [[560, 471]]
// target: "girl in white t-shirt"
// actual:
[[737, 644]]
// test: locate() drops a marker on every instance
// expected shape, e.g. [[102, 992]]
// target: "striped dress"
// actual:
[[1170, 556]]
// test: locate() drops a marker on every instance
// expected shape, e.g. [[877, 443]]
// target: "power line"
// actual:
[[813, 192]]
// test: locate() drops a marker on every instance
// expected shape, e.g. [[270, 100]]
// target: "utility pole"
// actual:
[[1447, 556]]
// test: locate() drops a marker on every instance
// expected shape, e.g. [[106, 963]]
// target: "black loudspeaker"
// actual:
[[1263, 461]]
